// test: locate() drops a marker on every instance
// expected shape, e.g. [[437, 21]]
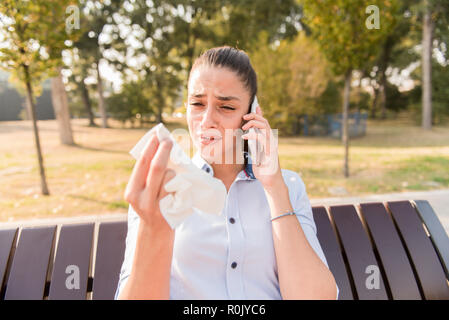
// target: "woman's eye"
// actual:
[[227, 108], [196, 104]]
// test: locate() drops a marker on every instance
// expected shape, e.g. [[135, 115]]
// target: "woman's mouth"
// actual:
[[206, 140]]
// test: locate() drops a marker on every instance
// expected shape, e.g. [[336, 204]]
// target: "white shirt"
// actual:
[[230, 256]]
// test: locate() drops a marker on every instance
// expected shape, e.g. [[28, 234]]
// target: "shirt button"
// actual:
[[234, 265], [231, 220]]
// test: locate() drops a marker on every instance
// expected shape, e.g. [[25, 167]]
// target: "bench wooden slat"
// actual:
[[109, 258], [422, 253], [359, 251], [436, 231], [28, 274], [332, 251], [72, 260], [7, 237], [394, 259]]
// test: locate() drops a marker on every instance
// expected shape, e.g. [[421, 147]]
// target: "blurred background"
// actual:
[[359, 91]]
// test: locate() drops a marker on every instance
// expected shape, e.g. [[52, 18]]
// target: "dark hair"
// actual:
[[237, 61], [233, 59]]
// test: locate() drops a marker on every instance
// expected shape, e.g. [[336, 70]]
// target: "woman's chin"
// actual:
[[219, 157], [210, 158], [214, 153]]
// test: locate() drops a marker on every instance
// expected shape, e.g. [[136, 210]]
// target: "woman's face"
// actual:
[[217, 101]]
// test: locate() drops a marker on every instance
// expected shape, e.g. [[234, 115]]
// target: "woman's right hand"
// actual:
[[146, 185]]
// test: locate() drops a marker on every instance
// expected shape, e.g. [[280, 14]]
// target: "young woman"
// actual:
[[262, 246]]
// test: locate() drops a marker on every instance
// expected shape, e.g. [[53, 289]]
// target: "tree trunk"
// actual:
[[87, 104], [160, 103], [61, 108], [383, 97], [32, 113], [297, 128], [374, 104], [385, 58], [427, 68], [159, 114], [344, 124], [101, 104]]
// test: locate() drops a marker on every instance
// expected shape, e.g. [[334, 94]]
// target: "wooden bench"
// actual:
[[401, 242]]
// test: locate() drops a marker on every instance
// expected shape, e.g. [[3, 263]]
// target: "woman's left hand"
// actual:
[[267, 169]]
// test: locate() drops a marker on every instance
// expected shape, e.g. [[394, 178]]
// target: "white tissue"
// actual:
[[190, 188]]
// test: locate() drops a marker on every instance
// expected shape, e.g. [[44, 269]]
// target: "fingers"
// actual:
[[137, 180], [256, 124], [168, 175], [255, 116], [252, 135], [266, 140], [260, 136], [157, 168]]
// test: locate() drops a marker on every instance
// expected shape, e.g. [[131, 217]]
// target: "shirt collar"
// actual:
[[245, 174]]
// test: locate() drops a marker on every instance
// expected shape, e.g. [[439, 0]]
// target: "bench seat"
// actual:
[[376, 251]]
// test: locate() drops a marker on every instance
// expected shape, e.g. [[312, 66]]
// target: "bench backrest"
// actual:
[[396, 250]]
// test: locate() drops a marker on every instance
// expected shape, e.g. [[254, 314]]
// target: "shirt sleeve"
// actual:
[[301, 206], [131, 239]]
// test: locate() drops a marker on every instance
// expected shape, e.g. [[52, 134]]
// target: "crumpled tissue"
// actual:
[[190, 188]]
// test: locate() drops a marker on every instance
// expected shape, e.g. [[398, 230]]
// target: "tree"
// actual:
[[427, 35], [80, 68], [350, 39], [131, 103], [33, 36], [168, 35], [61, 107], [243, 20], [435, 18], [292, 83], [96, 14], [194, 30], [395, 52]]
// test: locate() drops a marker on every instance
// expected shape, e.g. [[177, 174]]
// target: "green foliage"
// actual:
[[396, 100], [440, 94], [162, 38], [33, 34], [340, 29], [241, 21], [359, 99], [294, 83], [131, 103], [330, 101], [440, 91], [169, 35]]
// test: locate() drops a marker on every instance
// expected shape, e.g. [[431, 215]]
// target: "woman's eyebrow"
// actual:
[[228, 98], [222, 98], [198, 95]]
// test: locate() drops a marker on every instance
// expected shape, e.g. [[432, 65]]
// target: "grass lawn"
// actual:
[[90, 178]]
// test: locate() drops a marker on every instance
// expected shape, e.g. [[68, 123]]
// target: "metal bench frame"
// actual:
[[402, 243]]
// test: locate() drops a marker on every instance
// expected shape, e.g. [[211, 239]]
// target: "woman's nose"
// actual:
[[209, 118]]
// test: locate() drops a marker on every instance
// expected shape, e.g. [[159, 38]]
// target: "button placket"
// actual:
[[234, 272]]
